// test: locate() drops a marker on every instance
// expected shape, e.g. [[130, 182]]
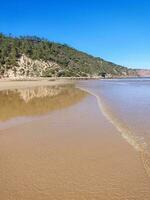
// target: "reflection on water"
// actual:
[[37, 101]]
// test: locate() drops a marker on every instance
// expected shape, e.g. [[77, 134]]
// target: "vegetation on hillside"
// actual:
[[71, 61]]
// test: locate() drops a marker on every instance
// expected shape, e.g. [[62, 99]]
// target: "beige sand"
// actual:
[[6, 84], [72, 154]]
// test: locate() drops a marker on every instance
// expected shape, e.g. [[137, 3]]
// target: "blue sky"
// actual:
[[116, 30]]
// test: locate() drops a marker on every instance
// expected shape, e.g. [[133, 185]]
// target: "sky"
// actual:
[[115, 30]]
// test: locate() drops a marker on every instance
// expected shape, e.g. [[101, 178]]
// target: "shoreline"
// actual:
[[74, 153], [68, 78], [8, 83], [22, 84], [124, 133]]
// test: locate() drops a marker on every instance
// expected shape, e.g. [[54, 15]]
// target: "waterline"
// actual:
[[125, 132]]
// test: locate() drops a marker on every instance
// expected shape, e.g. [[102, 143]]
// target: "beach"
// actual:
[[6, 84], [72, 152]]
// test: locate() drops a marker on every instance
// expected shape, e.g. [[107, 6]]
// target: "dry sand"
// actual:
[[74, 153]]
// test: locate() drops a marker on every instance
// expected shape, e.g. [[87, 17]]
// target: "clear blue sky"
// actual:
[[116, 30]]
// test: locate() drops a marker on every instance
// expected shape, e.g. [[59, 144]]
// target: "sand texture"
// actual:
[[72, 154]]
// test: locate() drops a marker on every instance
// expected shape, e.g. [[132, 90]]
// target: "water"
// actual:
[[24, 105], [126, 104]]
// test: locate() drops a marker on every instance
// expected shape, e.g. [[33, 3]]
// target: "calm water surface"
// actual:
[[126, 104], [23, 105]]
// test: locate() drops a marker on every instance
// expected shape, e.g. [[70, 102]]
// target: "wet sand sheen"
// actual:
[[37, 100], [73, 154], [125, 104], [125, 132]]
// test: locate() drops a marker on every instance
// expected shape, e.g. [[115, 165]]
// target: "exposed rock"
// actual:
[[26, 67]]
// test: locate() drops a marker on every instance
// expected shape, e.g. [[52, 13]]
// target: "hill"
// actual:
[[36, 57]]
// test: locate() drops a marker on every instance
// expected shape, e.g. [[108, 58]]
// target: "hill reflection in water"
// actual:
[[37, 101]]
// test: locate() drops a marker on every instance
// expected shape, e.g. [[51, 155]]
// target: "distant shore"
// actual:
[[6, 84], [18, 83], [9, 83]]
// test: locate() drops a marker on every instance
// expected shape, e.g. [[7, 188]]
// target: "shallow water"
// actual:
[[23, 105], [126, 104]]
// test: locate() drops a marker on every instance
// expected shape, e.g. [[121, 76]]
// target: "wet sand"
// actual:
[[73, 153], [14, 84], [37, 101]]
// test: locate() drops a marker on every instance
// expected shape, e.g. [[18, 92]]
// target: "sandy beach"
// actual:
[[75, 100], [72, 153], [18, 84]]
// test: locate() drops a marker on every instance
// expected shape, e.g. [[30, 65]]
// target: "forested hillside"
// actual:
[[33, 56]]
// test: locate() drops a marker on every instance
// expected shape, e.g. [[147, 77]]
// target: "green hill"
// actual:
[[33, 56]]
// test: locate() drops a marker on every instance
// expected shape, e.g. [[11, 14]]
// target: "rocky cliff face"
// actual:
[[26, 67]]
